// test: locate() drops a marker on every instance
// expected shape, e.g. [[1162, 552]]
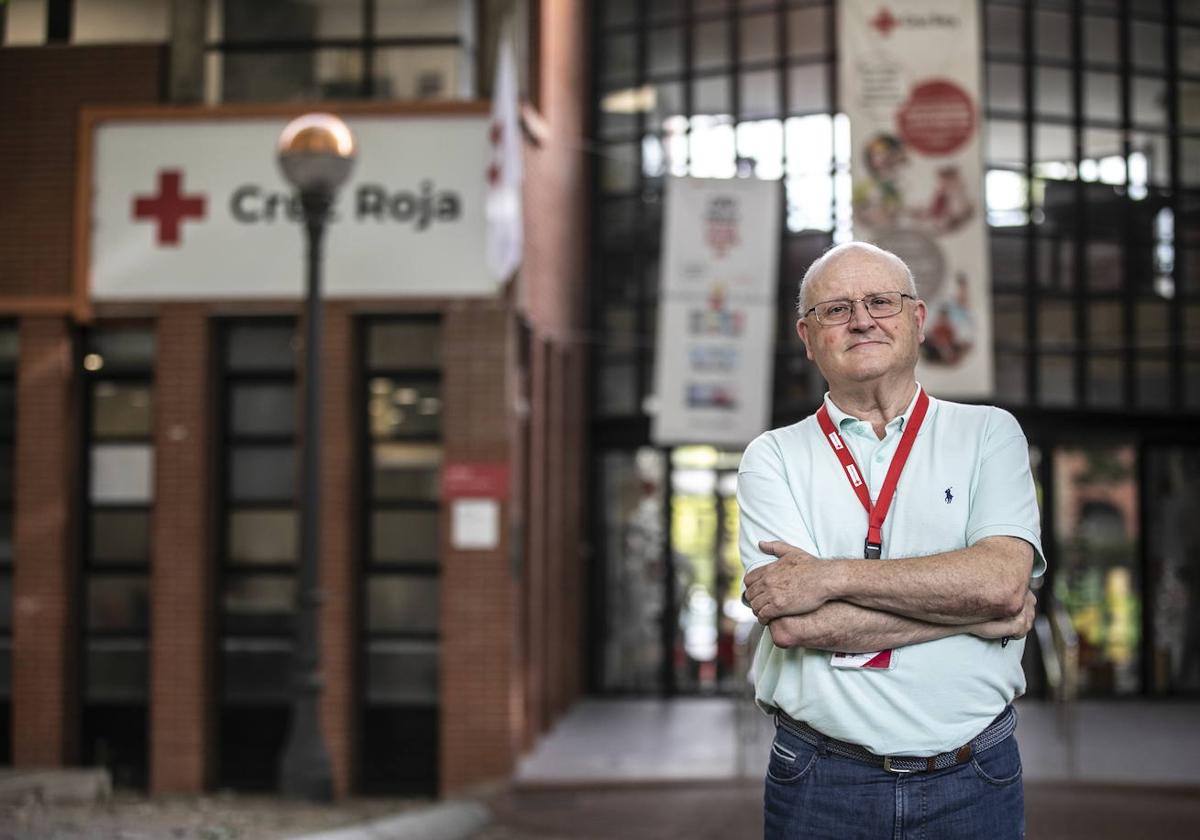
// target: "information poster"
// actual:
[[717, 311]]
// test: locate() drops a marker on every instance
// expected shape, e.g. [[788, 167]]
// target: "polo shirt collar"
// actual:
[[841, 419]]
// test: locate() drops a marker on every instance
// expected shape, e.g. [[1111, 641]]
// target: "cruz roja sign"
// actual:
[[194, 208], [421, 207]]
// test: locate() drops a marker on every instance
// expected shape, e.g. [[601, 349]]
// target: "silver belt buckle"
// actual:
[[887, 765]]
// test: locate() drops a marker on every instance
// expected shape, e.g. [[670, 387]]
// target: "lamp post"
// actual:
[[316, 153]]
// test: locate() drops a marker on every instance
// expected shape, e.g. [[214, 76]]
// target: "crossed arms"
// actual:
[[866, 605]]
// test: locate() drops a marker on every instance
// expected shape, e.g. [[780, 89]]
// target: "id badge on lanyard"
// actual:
[[876, 513]]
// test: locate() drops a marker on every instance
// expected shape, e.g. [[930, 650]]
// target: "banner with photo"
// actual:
[[717, 311], [909, 79]]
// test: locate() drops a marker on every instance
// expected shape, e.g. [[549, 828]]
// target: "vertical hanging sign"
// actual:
[[716, 324], [909, 80]]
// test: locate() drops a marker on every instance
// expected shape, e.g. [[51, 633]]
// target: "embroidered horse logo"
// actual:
[[949, 495]]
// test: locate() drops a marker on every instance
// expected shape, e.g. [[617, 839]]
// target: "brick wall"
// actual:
[[478, 590], [41, 92], [181, 625], [45, 691]]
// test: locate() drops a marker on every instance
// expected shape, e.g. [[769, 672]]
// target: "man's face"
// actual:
[[864, 348]]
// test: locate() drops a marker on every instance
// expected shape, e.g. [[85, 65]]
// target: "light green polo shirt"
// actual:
[[967, 478]]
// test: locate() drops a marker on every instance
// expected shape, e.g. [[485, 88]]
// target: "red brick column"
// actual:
[[45, 676], [477, 587], [339, 521], [181, 621]]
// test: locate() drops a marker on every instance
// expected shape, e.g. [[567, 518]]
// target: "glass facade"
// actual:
[[118, 396], [401, 368], [8, 422], [257, 546], [1092, 154]]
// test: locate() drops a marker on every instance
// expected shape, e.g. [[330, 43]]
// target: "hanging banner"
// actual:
[[717, 310], [909, 77]]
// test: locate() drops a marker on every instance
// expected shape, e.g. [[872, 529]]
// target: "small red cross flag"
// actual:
[[505, 230]]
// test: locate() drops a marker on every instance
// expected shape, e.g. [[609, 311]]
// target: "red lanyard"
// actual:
[[876, 513]]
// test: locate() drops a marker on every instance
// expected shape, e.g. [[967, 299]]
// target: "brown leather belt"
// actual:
[[999, 729]]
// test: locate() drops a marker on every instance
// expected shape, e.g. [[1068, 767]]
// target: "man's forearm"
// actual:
[[849, 628], [984, 582]]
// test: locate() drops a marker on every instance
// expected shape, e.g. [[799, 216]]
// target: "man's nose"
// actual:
[[860, 318]]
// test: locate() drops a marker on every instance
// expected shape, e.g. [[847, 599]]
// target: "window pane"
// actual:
[[759, 94], [620, 55], [121, 410], [120, 536], [5, 603], [1102, 96], [808, 89], [397, 604], [665, 56], [414, 74], [405, 345], [260, 409], [1096, 506], [1149, 46], [1153, 383], [117, 671], [402, 672], [1105, 386], [409, 18], [1150, 101], [759, 37], [122, 474], [123, 346], [8, 409], [807, 31], [262, 474], [6, 537], [8, 346], [1052, 34], [710, 45], [1056, 386], [1100, 45], [405, 536], [1005, 86], [250, 20], [406, 471], [255, 604], [1005, 29], [263, 536], [400, 409], [261, 347], [257, 671], [1174, 550], [1053, 93], [118, 604]]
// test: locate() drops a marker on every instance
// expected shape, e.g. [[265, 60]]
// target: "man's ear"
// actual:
[[802, 331], [921, 312]]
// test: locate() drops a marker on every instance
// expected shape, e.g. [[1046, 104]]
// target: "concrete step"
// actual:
[[55, 785]]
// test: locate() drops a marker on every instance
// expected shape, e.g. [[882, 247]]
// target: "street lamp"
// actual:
[[316, 153]]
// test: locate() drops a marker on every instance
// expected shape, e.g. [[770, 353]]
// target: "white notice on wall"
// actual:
[[475, 524]]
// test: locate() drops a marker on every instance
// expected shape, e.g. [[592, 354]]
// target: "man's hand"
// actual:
[[1010, 628], [793, 585]]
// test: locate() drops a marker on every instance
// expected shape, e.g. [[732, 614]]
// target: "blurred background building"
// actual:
[[147, 501]]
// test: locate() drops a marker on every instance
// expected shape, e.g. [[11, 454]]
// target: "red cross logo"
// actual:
[[884, 22], [170, 207]]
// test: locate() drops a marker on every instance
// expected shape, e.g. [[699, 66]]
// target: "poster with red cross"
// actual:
[[194, 207], [909, 79]]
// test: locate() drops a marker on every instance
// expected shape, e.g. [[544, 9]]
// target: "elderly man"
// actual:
[[889, 541]]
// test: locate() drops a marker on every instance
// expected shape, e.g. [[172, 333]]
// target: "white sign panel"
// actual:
[[909, 77], [185, 209], [717, 311], [475, 524]]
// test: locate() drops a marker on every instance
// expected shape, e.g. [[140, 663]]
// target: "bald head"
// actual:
[[850, 250]]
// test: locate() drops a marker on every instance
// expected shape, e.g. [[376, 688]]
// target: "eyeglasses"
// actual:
[[831, 313]]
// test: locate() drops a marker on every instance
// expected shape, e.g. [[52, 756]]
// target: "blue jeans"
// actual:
[[811, 793]]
